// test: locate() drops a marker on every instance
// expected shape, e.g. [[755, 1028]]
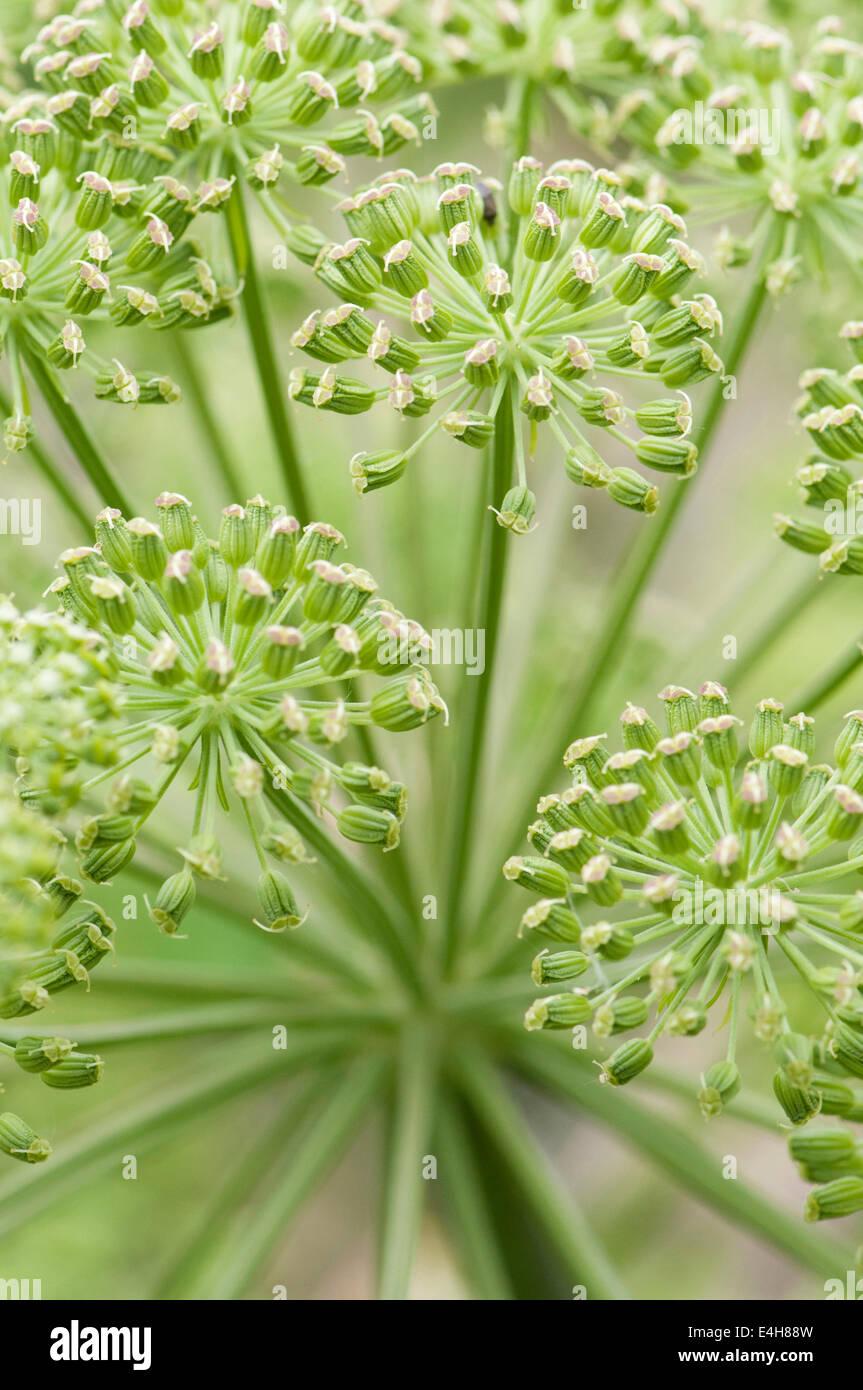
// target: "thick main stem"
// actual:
[[261, 340], [469, 765]]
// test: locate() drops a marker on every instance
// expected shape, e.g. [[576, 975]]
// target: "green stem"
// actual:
[[210, 1247], [261, 340], [478, 689], [792, 607], [404, 1184], [53, 474], [74, 432], [464, 1193], [233, 1070], [320, 1141]]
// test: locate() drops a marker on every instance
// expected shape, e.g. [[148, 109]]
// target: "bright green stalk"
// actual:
[[601, 664], [226, 1213], [75, 433], [261, 340], [37, 454], [213, 1018], [404, 1185], [231, 1071]]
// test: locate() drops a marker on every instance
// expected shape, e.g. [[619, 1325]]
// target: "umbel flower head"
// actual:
[[760, 129], [95, 233], [58, 704], [76, 937], [563, 48], [221, 87], [830, 482], [56, 708], [562, 302], [672, 876], [229, 649]]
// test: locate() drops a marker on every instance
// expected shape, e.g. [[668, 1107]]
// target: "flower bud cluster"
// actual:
[[830, 409], [59, 703], [760, 127], [230, 650], [552, 302], [220, 87], [101, 230], [686, 873]]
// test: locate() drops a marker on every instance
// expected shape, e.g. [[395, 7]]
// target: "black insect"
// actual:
[[489, 205]]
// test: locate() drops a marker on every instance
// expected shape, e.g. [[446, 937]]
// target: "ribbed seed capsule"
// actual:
[[620, 1015], [369, 825], [19, 1141], [557, 1011], [787, 766], [842, 1197], [721, 1083], [552, 918], [35, 1054], [539, 875], [800, 1104], [630, 1059], [74, 1072], [552, 967], [277, 903], [173, 901]]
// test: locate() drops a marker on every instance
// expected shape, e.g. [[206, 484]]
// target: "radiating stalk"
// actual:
[[404, 1187], [226, 1211], [565, 1226], [261, 340], [464, 1196], [319, 1144], [108, 491], [235, 1069], [672, 1149], [37, 454], [598, 668], [473, 715]]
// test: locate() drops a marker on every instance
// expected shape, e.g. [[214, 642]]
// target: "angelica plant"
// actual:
[[759, 127], [830, 410], [239, 683], [544, 304], [225, 649], [719, 885], [96, 235]]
